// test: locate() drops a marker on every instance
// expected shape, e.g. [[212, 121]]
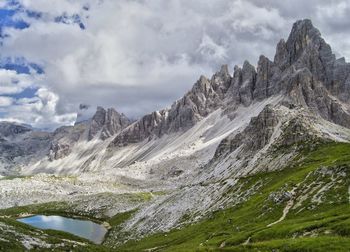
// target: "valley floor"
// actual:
[[305, 207]]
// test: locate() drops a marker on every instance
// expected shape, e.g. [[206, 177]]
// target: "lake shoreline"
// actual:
[[86, 229]]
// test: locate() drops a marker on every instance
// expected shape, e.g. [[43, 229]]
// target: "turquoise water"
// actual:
[[82, 228]]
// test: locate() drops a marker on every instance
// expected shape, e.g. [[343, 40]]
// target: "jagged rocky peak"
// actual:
[[242, 84], [247, 86], [306, 71], [213, 88], [265, 74], [312, 77], [303, 36], [223, 74], [103, 124], [221, 80], [202, 87], [107, 123], [306, 48]]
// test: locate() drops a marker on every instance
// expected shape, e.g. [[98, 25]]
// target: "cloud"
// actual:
[[5, 101], [13, 83], [139, 56], [55, 7], [40, 110]]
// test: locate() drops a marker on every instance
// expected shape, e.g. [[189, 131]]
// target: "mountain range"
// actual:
[[259, 145]]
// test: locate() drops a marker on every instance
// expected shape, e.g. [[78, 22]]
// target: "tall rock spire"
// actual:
[[302, 36], [107, 122], [306, 48]]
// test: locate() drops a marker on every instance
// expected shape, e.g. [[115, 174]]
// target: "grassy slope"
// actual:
[[310, 227]]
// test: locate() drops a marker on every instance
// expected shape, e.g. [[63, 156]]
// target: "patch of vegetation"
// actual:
[[52, 208], [14, 177], [120, 218], [143, 196]]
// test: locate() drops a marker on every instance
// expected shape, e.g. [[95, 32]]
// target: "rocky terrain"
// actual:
[[274, 136]]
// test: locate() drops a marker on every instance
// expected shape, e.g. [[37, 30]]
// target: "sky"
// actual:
[[137, 55]]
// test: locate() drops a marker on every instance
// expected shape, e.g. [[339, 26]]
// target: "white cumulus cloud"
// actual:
[[5, 101]]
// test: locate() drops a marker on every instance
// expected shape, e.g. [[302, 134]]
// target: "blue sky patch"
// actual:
[[18, 68], [26, 93], [7, 19], [20, 65]]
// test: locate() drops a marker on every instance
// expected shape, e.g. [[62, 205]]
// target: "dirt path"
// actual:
[[289, 205]]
